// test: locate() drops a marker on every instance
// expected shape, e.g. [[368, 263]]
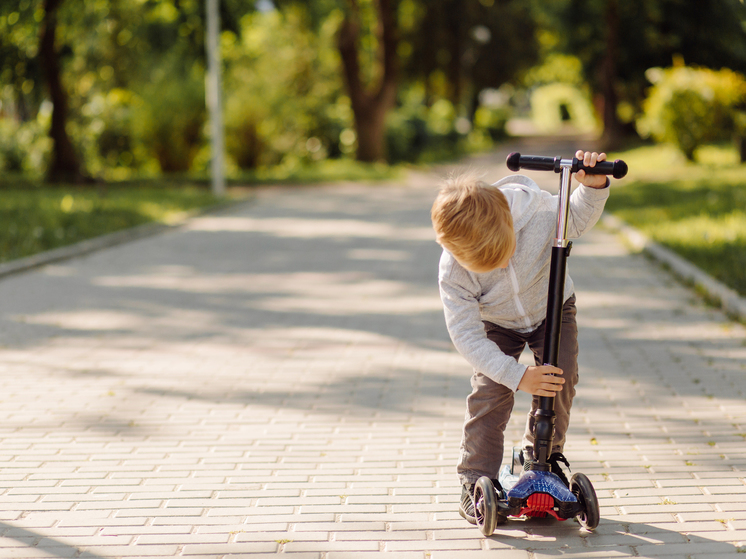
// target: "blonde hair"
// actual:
[[472, 221]]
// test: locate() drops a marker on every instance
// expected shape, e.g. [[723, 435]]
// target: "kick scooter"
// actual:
[[538, 491]]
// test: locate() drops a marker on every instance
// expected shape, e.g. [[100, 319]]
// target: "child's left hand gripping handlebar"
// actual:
[[516, 161]]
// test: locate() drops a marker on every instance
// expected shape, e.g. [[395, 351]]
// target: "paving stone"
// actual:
[[276, 379]]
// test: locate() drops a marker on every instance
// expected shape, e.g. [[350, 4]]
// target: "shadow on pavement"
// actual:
[[43, 546]]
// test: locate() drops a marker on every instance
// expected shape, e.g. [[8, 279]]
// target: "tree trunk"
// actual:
[[65, 166], [612, 133], [370, 104], [741, 145]]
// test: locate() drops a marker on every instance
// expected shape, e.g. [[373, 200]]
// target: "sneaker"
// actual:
[[554, 464], [466, 506]]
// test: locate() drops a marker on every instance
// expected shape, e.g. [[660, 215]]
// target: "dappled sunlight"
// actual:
[[697, 331], [86, 320], [378, 254], [101, 320], [587, 250], [312, 228], [328, 301], [607, 323], [344, 371], [631, 328], [623, 301], [343, 293], [718, 354], [243, 348]]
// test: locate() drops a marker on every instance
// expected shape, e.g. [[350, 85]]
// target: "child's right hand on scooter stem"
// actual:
[[541, 380]]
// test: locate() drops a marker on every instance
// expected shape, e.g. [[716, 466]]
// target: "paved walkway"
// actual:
[[276, 379]]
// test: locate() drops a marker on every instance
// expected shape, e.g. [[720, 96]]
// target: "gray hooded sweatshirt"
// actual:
[[514, 297]]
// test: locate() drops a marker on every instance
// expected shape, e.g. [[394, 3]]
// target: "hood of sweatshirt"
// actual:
[[521, 193]]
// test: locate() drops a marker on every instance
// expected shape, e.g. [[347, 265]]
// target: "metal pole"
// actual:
[[213, 96], [544, 415]]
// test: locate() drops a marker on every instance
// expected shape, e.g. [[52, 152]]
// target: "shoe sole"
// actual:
[[465, 516]]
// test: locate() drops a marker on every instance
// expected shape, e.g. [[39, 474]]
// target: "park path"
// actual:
[[275, 379]]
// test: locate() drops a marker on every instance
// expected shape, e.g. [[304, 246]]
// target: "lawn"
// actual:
[[37, 217], [698, 210]]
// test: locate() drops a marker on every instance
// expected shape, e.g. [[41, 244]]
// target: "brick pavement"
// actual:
[[276, 379]]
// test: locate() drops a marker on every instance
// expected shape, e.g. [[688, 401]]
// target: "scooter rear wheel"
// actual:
[[582, 488], [485, 505]]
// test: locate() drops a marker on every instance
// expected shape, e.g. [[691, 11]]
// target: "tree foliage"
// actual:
[[618, 41], [311, 79], [285, 101], [461, 47], [106, 64], [689, 106]]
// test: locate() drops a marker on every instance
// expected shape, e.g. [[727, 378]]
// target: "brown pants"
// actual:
[[490, 404]]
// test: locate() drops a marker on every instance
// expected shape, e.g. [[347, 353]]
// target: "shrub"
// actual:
[[284, 93], [170, 119], [689, 106], [24, 146], [416, 132], [104, 133], [492, 121]]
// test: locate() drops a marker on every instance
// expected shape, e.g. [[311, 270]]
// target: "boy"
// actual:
[[493, 278]]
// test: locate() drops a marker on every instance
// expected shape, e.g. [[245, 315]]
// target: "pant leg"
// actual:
[[568, 362], [488, 410]]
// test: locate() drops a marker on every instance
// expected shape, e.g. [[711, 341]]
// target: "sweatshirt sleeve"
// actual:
[[586, 207], [460, 296]]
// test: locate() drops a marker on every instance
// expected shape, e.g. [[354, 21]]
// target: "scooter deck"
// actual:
[[537, 493]]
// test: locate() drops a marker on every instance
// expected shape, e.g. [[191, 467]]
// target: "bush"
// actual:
[[690, 106], [104, 133], [418, 133], [284, 93], [492, 121], [24, 146], [170, 119], [406, 135]]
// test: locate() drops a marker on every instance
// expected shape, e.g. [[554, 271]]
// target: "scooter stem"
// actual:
[[544, 415]]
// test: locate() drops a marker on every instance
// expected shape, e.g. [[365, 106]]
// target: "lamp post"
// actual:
[[213, 96]]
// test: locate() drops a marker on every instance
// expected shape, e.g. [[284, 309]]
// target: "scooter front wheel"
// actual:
[[485, 505], [582, 488]]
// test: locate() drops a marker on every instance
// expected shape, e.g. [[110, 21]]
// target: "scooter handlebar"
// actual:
[[516, 161]]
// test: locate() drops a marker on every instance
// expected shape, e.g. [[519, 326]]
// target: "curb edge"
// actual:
[[714, 291]]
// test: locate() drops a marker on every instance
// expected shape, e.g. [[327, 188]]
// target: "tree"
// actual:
[[475, 44], [618, 41], [367, 41], [87, 55], [65, 164], [370, 101]]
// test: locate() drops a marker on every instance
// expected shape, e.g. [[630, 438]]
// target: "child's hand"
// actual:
[[590, 159], [540, 381]]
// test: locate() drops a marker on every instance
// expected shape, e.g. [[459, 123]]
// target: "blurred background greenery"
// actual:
[[111, 92], [122, 81]]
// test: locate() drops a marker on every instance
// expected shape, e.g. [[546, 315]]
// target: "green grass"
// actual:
[[698, 210], [37, 217], [329, 170]]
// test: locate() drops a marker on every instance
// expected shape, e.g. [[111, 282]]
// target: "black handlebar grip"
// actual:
[[516, 161], [616, 168]]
